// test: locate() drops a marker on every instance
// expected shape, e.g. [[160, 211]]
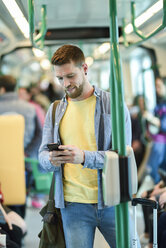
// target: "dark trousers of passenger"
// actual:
[[147, 212], [13, 237], [162, 231], [148, 217]]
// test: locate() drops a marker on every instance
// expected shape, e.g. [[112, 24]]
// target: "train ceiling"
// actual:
[[68, 20]]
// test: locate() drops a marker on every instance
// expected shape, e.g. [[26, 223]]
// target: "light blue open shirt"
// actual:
[[93, 159]]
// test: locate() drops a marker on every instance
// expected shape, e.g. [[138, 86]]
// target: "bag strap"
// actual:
[[53, 111], [51, 193]]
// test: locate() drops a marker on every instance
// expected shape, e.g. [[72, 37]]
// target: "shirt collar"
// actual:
[[96, 91]]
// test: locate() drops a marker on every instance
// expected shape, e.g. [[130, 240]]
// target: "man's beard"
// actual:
[[76, 93]]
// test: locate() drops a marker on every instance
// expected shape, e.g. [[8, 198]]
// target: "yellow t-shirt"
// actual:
[[77, 128]]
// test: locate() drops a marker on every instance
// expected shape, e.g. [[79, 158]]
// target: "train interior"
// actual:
[[31, 31]]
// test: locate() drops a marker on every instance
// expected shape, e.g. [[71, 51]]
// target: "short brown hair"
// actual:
[[67, 53], [8, 82]]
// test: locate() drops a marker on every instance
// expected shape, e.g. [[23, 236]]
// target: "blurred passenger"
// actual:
[[162, 222], [138, 128], [11, 225], [39, 97], [53, 91], [157, 158], [157, 127], [158, 193], [82, 125], [10, 103], [26, 95], [162, 230], [152, 194]]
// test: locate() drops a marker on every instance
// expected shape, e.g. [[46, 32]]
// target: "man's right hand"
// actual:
[[68, 154]]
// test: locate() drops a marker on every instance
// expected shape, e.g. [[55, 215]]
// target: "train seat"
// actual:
[[12, 167]]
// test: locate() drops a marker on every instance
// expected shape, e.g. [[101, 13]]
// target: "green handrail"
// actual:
[[43, 29], [125, 42], [157, 30], [114, 104], [42, 180], [40, 37], [118, 122], [138, 32]]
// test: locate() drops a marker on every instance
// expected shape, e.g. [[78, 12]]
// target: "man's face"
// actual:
[[23, 94], [72, 78]]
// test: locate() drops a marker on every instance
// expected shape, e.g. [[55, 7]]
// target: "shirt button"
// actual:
[[62, 110], [56, 124]]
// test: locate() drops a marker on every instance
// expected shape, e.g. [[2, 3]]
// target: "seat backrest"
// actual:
[[12, 167]]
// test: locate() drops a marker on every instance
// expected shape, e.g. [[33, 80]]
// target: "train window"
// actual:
[[142, 76], [98, 74], [105, 79]]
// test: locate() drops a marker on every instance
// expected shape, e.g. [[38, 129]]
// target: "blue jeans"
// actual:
[[80, 221], [157, 158]]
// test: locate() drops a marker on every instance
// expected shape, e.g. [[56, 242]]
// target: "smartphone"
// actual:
[[53, 147]]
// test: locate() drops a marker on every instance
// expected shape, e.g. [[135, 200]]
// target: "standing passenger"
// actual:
[[10, 103], [83, 127]]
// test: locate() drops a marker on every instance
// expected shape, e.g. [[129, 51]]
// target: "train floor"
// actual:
[[34, 224]]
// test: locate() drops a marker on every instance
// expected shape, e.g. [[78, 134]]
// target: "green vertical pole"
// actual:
[[80, 44], [143, 83], [114, 106], [31, 19], [121, 211]]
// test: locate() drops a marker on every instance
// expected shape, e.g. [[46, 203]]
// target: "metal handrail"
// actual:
[[40, 37], [139, 32], [157, 30], [125, 42]]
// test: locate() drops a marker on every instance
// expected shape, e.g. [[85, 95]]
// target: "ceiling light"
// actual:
[[18, 16], [45, 64], [89, 61], [38, 53], [104, 47], [35, 66], [145, 16], [129, 28]]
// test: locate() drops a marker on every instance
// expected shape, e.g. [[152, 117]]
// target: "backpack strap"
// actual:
[[53, 111]]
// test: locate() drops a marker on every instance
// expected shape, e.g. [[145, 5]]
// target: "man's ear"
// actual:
[[85, 68]]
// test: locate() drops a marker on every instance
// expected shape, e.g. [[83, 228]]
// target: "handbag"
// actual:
[[52, 235]]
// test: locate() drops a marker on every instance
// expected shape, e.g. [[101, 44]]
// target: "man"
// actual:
[[11, 104], [82, 125]]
